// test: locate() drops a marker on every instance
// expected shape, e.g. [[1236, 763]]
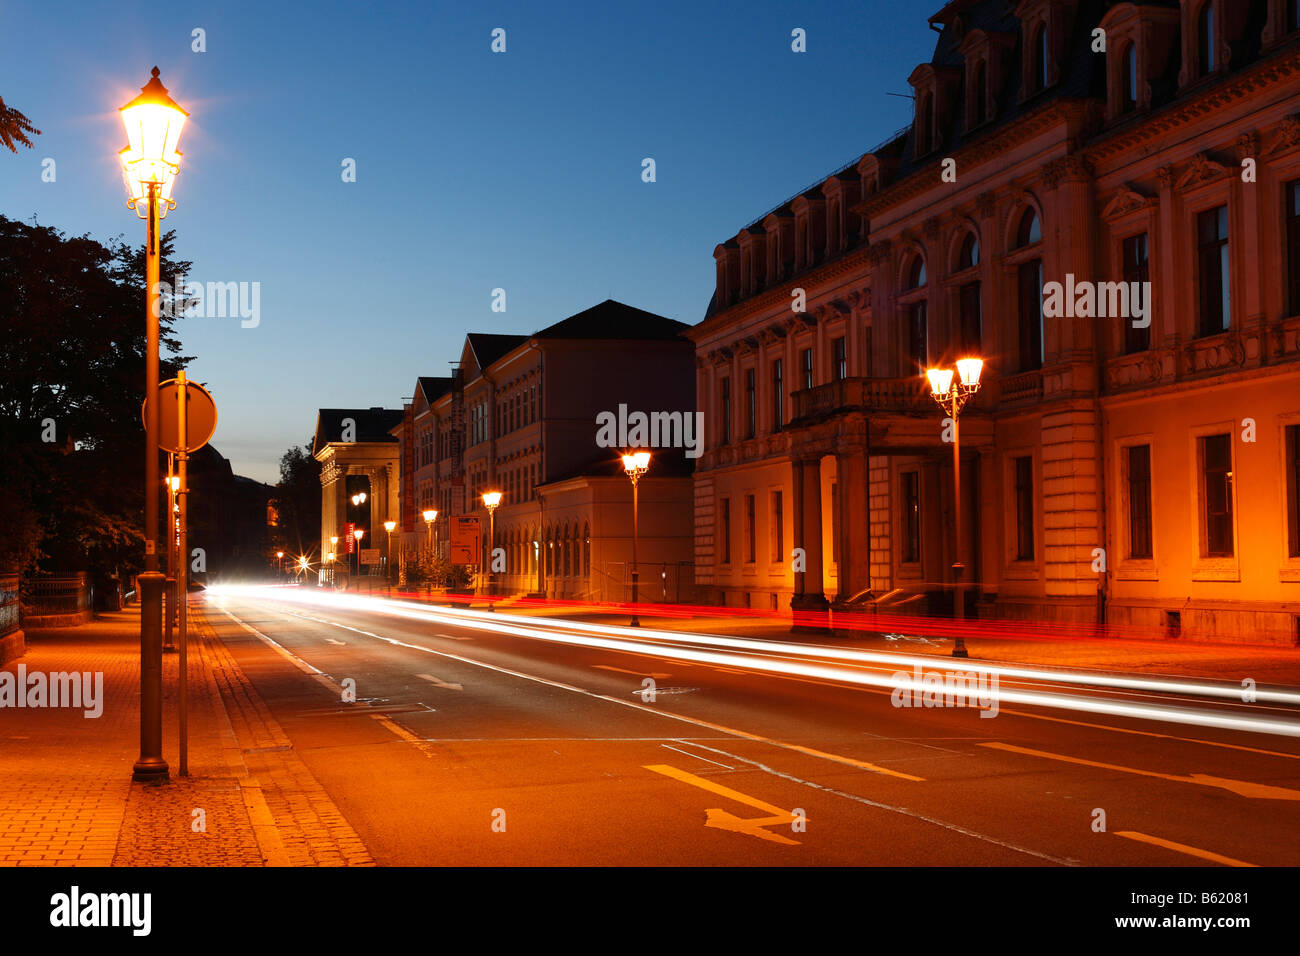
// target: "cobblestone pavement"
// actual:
[[66, 795]]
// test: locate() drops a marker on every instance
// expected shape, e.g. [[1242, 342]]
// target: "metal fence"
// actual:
[[56, 595]]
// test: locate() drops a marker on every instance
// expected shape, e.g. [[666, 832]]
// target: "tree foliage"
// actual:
[[14, 127], [72, 341], [298, 501]]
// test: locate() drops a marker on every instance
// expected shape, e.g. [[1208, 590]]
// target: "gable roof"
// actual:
[[372, 425], [614, 320], [487, 347]]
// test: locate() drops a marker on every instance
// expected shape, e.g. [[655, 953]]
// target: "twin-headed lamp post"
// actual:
[[150, 163], [636, 464], [951, 397]]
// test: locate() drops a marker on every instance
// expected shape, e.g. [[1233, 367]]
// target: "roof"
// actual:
[[615, 320], [489, 346], [434, 386], [372, 425]]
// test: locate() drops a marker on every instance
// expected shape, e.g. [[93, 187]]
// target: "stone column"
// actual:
[[852, 521], [809, 603]]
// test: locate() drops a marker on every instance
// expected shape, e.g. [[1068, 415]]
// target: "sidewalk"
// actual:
[[1232, 662], [66, 795]]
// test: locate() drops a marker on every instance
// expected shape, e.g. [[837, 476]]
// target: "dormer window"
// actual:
[[1205, 40], [924, 122], [1129, 79], [980, 94], [1038, 59]]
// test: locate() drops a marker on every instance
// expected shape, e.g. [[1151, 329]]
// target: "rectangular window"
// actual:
[[917, 345], [911, 495], [1216, 495], [972, 332], [725, 410], [1136, 270], [724, 530], [835, 525], [778, 396], [1029, 283], [1293, 242], [751, 545], [751, 404], [1293, 489], [841, 359], [1212, 261], [806, 364], [1139, 501], [778, 527], [1024, 508]]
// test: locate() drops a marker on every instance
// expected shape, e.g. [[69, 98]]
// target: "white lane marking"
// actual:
[[885, 806], [607, 667], [454, 637], [698, 757], [315, 673], [340, 643], [741, 735], [436, 682]]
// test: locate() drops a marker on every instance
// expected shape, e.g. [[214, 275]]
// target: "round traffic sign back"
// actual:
[[200, 416]]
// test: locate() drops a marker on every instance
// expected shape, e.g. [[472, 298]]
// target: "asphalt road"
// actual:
[[466, 745]]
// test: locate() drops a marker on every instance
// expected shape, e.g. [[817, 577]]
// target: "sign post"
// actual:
[[187, 418]]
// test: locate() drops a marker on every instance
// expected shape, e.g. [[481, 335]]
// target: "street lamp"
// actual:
[[430, 516], [951, 398], [490, 501], [389, 526], [304, 567], [150, 162], [279, 565], [636, 464], [359, 533]]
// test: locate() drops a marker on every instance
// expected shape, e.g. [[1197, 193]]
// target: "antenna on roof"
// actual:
[[906, 96]]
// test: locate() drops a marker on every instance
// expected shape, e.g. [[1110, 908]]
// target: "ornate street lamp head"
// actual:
[[153, 124], [491, 499], [389, 526], [359, 533], [430, 516], [968, 370], [940, 381], [636, 463]]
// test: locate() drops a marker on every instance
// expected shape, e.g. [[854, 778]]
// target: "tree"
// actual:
[[298, 502], [72, 340], [14, 127]]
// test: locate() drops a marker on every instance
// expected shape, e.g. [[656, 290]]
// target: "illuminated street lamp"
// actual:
[[359, 533], [304, 567], [279, 564], [490, 501], [636, 464], [430, 516], [388, 571], [951, 398], [150, 162]]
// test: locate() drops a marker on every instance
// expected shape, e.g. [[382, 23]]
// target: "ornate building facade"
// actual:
[[1129, 459]]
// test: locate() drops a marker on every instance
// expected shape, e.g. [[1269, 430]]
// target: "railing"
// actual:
[[1025, 387], [909, 394], [56, 596]]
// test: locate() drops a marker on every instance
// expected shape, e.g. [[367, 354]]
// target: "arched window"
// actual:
[[586, 550], [979, 94], [1129, 81], [1205, 38], [969, 255], [1029, 230], [916, 272]]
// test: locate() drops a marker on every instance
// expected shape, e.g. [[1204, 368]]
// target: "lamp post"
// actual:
[[951, 398], [359, 533], [304, 567], [430, 516], [150, 163], [636, 464], [279, 565], [388, 571], [490, 501]]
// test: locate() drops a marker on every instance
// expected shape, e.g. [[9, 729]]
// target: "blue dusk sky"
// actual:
[[474, 170]]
